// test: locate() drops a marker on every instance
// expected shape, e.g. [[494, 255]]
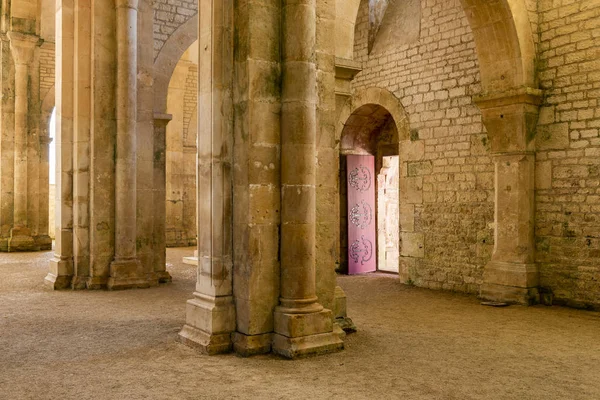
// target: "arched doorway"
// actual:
[[369, 191]]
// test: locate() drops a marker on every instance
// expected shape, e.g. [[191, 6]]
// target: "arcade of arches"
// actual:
[[233, 129]]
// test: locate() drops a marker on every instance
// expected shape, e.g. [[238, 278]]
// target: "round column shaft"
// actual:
[[298, 151], [125, 179], [22, 46]]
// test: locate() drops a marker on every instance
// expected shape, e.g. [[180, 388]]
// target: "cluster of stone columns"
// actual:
[[107, 233], [23, 223], [259, 138]]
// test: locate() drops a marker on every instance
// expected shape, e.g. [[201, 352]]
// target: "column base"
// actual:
[[164, 277], [80, 282], [60, 275], [250, 345], [55, 282], [301, 335], [21, 240], [206, 343], [305, 346], [209, 324], [346, 324], [127, 274], [96, 283], [510, 283], [43, 243], [190, 260]]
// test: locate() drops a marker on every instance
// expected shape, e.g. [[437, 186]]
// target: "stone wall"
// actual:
[[181, 152], [435, 78], [168, 16], [47, 68], [568, 151], [447, 166], [52, 213]]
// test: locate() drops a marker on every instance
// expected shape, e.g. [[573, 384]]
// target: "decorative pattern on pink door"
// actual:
[[361, 214]]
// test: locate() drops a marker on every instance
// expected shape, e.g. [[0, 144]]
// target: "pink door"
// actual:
[[361, 214]]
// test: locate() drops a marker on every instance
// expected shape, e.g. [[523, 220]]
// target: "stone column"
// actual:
[[302, 325], [512, 275], [125, 270], [61, 266], [23, 47], [210, 315], [160, 246], [345, 71]]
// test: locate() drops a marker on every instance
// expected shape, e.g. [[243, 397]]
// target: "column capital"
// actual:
[[23, 46], [510, 118], [345, 71], [133, 4], [162, 120]]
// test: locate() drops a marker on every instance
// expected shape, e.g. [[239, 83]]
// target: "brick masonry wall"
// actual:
[[435, 78], [181, 156], [168, 16], [190, 104], [47, 69], [568, 151]]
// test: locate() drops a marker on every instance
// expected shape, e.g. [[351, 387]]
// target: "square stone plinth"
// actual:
[[301, 335], [209, 323], [250, 345]]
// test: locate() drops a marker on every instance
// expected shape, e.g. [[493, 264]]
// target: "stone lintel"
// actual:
[[249, 345], [209, 323]]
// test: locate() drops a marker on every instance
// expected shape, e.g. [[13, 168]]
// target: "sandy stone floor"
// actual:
[[412, 344]]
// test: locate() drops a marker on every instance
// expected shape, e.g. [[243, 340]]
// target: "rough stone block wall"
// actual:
[[47, 68], [168, 16], [568, 151], [181, 155], [190, 106], [448, 164]]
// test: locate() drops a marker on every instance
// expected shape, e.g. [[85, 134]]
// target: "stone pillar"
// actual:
[[257, 195], [160, 147], [125, 270], [23, 47], [61, 266], [512, 275], [302, 325], [345, 72], [210, 315]]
